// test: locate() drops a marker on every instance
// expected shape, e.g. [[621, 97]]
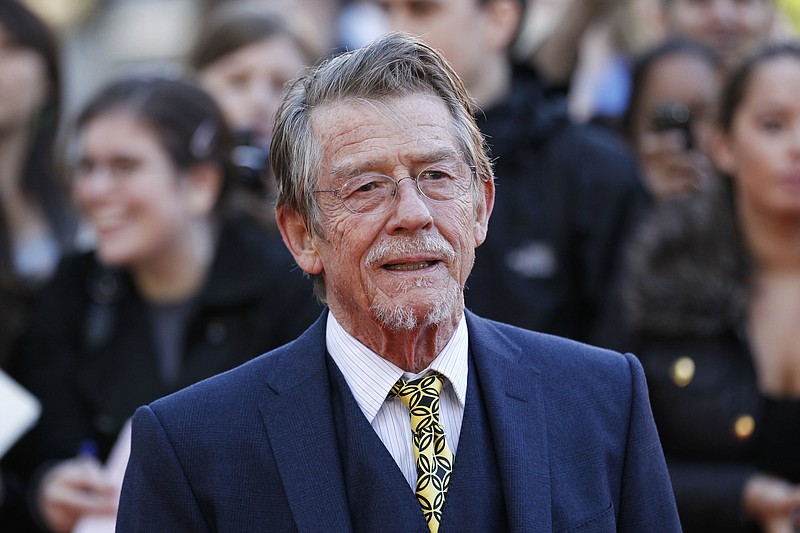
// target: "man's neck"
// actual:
[[412, 350]]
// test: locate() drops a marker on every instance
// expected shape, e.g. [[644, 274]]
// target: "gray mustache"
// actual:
[[421, 244]]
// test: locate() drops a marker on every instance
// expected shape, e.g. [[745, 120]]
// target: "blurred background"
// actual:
[[102, 39], [608, 104]]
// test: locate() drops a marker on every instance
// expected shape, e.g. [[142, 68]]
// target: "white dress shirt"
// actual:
[[370, 377]]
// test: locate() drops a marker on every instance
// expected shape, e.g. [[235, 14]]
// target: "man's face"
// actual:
[[404, 267], [458, 28], [734, 28]]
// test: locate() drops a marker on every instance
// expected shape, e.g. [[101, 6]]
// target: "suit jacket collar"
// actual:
[[299, 421], [518, 424]]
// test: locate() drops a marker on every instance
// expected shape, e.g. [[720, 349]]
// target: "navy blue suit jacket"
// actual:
[[255, 448]]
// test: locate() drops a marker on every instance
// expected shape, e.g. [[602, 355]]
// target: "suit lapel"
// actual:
[[299, 422], [515, 408]]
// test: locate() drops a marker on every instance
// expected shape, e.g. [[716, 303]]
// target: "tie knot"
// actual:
[[428, 385], [421, 397]]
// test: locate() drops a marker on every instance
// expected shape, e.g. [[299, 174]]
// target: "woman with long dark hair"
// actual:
[[36, 222], [713, 299]]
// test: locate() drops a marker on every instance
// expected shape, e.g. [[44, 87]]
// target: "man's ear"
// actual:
[[299, 240], [483, 210], [203, 185], [503, 18]]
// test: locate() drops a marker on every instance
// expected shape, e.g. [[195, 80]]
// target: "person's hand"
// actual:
[[73, 489], [772, 503], [669, 169]]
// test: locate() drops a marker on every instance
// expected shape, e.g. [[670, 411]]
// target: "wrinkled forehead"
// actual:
[[397, 125], [391, 110]]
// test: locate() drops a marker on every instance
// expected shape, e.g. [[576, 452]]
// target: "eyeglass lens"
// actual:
[[373, 193]]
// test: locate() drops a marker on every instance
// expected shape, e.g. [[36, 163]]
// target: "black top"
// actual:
[[565, 198], [779, 450]]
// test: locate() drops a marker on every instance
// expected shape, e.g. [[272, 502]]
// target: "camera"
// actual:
[[675, 116], [250, 161]]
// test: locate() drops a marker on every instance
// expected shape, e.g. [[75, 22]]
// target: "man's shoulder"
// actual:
[[548, 353], [567, 375]]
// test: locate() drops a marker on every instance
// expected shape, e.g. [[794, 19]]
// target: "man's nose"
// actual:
[[410, 211]]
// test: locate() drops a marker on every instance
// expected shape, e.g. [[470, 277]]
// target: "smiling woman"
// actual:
[[148, 198], [179, 286]]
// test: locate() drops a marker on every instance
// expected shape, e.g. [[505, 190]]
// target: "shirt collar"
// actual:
[[371, 377]]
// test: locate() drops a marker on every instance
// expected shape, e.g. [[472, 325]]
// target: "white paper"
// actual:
[[19, 411], [114, 469]]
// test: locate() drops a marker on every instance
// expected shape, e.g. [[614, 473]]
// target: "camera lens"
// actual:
[[250, 161]]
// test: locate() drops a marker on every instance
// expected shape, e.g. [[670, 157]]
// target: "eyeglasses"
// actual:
[[371, 194]]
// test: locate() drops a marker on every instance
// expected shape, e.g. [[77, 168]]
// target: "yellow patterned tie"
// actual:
[[433, 458]]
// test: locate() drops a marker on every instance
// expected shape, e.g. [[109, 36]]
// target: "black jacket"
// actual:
[[91, 353], [685, 296], [710, 418], [565, 198]]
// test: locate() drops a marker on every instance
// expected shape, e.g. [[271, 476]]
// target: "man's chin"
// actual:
[[396, 318], [399, 316]]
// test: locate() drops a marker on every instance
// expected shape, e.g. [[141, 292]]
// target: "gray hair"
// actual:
[[396, 64]]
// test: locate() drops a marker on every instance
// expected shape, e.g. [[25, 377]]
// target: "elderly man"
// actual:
[[385, 191]]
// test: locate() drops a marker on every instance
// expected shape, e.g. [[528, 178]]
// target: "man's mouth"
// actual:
[[410, 266]]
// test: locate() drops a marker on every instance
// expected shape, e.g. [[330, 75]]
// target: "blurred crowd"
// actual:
[[647, 155]]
